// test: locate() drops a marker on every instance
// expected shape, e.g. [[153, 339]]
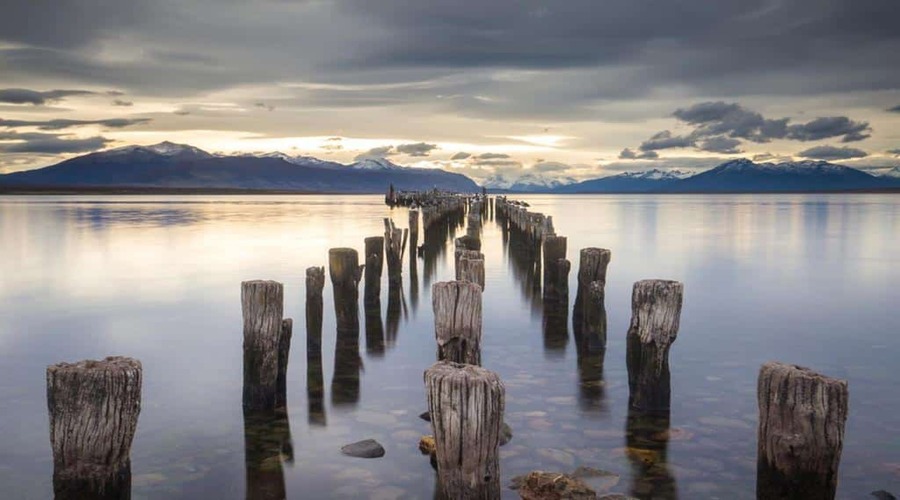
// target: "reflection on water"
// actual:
[[771, 277]]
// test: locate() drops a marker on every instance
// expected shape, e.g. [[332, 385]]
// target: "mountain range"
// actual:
[[178, 166]]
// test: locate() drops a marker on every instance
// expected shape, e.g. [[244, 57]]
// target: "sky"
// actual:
[[563, 88]]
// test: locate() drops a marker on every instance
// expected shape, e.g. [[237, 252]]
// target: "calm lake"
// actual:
[[804, 279]]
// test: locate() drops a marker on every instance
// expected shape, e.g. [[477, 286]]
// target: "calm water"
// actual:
[[810, 280]]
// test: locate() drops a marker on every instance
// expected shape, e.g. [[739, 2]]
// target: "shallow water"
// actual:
[[805, 279]]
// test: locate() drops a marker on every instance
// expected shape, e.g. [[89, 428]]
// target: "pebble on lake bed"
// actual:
[[540, 485], [368, 448], [426, 445]]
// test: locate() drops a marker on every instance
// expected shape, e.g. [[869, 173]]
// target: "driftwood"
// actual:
[[94, 408], [801, 432], [556, 269], [655, 317], [466, 405], [457, 321], [262, 306], [345, 274], [374, 265], [315, 282]]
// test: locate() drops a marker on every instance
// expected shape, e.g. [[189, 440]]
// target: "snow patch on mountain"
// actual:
[[656, 175], [893, 173], [528, 181], [164, 148]]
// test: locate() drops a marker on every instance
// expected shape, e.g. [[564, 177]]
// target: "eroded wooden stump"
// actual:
[[466, 405], [801, 432], [374, 266], [94, 408], [262, 304], [655, 317], [556, 269], [315, 282], [457, 321], [345, 274], [394, 243], [591, 269]]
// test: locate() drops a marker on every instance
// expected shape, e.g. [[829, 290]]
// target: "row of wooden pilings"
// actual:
[[94, 405]]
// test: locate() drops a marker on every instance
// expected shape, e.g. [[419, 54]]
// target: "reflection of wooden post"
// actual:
[[590, 343], [466, 404], [374, 265], [647, 445], [457, 321], [284, 351], [801, 432], [556, 269], [262, 306], [267, 443], [655, 316], [315, 282], [345, 274], [94, 408]]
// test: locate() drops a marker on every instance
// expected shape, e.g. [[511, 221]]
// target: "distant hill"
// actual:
[[179, 166], [627, 182]]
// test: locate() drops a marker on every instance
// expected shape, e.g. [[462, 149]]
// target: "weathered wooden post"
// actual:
[[262, 304], [315, 380], [374, 265], [94, 408], [345, 273], [470, 267], [457, 321], [801, 432], [655, 316], [466, 405], [591, 268], [394, 243], [556, 269], [590, 342]]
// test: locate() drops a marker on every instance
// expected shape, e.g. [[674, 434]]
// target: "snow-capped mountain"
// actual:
[[626, 182], [656, 174], [168, 165], [746, 176], [893, 173], [529, 183]]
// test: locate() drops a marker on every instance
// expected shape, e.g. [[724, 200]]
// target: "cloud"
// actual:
[[628, 154], [60, 124], [724, 145], [895, 109], [267, 107], [460, 156], [895, 152], [418, 149], [733, 120], [769, 157], [832, 153], [492, 156], [376, 153], [550, 166], [332, 144], [37, 143], [665, 140], [827, 127], [37, 98], [120, 102]]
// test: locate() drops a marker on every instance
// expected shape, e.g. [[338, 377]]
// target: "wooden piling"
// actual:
[[262, 304], [413, 233], [556, 269], [94, 408], [470, 267], [315, 380], [374, 265], [655, 317], [457, 321], [801, 432], [592, 268], [466, 405], [394, 243]]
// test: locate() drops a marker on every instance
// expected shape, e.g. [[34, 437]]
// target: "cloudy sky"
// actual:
[[579, 88]]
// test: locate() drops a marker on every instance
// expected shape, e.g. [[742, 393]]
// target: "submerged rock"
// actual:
[[426, 416], [427, 445], [540, 485], [367, 448]]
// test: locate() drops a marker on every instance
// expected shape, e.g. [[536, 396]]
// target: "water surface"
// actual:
[[806, 279]]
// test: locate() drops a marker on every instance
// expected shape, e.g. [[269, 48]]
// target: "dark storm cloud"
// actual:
[[61, 124], [37, 98], [832, 126], [460, 156], [418, 149], [628, 154], [37, 143], [724, 145], [665, 140], [832, 153]]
